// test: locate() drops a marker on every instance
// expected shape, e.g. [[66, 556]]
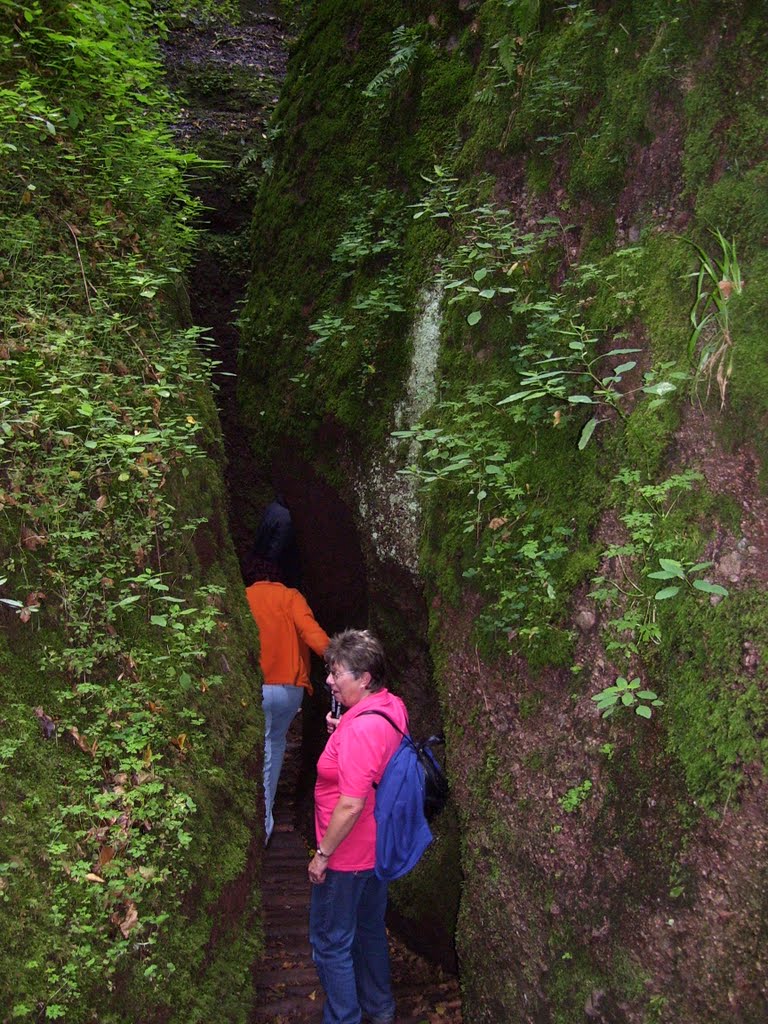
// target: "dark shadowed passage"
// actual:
[[227, 121]]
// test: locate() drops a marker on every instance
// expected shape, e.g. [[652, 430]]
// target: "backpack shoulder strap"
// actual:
[[383, 714]]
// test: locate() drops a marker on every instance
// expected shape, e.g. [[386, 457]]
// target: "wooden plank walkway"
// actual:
[[288, 991]]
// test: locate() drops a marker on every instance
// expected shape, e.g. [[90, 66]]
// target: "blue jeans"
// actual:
[[280, 703], [349, 947]]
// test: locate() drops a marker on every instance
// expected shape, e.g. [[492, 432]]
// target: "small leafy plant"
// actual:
[[576, 796], [673, 570], [626, 694]]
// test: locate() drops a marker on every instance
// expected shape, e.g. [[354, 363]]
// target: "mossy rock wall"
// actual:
[[580, 178], [130, 730]]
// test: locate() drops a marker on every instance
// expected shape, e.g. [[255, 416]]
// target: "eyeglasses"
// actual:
[[338, 672]]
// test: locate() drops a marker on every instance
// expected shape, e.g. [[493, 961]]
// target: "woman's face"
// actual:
[[347, 688]]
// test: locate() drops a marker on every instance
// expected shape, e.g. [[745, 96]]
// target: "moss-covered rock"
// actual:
[[592, 464]]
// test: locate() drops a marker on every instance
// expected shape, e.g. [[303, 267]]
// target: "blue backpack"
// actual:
[[412, 789]]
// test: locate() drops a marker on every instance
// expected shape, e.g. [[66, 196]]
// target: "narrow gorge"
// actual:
[[479, 288]]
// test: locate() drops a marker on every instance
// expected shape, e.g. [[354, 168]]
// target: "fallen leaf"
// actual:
[[106, 854], [130, 920], [81, 741], [94, 877], [47, 724], [31, 540]]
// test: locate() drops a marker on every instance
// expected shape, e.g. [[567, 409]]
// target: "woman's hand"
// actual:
[[346, 812], [317, 868], [331, 722]]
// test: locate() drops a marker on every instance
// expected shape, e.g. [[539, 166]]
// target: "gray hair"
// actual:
[[359, 651]]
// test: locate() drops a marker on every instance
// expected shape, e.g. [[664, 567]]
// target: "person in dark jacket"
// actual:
[[276, 542]]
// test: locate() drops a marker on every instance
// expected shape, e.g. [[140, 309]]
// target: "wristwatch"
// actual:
[[319, 853]]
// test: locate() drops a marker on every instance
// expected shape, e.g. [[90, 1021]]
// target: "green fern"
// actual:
[[405, 48]]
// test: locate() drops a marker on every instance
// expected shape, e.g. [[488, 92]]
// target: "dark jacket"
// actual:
[[276, 542]]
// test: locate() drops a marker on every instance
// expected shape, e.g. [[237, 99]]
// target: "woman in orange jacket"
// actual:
[[287, 629]]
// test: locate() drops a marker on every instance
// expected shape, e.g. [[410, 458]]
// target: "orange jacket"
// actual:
[[287, 628]]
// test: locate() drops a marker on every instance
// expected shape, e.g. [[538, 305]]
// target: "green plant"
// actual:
[[626, 694], [647, 514], [513, 549], [200, 11], [366, 256], [404, 47], [374, 228], [656, 1005], [578, 377], [710, 346], [576, 796], [671, 569], [561, 368]]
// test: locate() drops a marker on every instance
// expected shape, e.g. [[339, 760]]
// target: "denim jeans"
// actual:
[[349, 947], [280, 703]]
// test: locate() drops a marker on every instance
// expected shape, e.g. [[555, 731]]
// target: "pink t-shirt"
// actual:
[[355, 757]]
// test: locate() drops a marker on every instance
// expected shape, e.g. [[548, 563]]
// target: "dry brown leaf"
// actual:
[[130, 920], [81, 741], [31, 540], [92, 877], [106, 854]]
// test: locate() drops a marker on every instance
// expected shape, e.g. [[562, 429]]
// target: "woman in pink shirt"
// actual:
[[346, 918]]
